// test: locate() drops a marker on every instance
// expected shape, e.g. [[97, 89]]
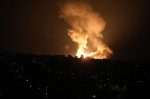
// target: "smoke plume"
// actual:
[[86, 26]]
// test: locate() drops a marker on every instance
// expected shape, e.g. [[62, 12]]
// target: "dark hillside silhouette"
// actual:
[[59, 77]]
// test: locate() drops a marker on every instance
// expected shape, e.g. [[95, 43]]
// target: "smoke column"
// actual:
[[86, 26]]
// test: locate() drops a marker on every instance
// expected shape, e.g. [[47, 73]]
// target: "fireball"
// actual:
[[86, 25]]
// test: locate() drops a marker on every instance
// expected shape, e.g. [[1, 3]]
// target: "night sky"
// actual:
[[35, 27]]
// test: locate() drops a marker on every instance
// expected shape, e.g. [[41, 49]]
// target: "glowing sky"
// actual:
[[35, 27]]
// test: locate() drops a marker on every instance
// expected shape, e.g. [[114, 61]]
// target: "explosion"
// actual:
[[86, 26]]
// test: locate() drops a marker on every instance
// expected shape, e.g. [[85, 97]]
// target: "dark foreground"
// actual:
[[58, 77]]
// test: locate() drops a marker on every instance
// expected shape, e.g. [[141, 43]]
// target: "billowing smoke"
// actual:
[[86, 26]]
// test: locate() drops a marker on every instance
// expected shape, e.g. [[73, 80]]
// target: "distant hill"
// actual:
[[54, 77]]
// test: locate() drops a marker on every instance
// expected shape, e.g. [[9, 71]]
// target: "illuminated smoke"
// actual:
[[86, 26]]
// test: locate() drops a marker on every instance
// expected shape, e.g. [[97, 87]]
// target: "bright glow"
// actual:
[[86, 26], [80, 52]]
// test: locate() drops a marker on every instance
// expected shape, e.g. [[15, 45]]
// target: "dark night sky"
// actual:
[[35, 27]]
